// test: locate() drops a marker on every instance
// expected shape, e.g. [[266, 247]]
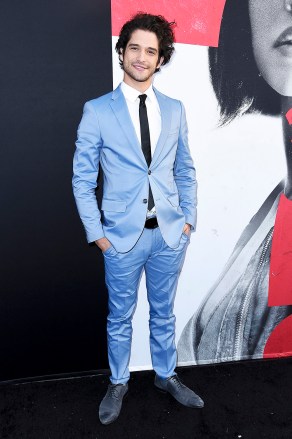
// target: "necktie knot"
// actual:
[[142, 99]]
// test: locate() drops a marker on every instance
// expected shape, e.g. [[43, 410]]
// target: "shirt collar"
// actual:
[[131, 94]]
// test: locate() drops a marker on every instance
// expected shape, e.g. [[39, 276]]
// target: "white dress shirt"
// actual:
[[153, 113]]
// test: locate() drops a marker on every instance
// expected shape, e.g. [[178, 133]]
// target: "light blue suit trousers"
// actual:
[[162, 266]]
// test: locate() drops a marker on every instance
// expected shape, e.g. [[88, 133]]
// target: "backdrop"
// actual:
[[53, 300], [238, 166], [55, 55]]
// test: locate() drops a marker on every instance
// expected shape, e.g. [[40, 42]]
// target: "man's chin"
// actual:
[[141, 78]]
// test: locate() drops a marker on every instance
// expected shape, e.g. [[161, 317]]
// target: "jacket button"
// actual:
[[149, 172], [145, 201]]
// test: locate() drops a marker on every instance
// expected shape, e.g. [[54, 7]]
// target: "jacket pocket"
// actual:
[[113, 205], [174, 200]]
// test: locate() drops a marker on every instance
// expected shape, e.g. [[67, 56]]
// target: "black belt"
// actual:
[[151, 223]]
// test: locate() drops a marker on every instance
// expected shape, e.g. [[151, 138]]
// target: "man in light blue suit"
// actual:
[[140, 138]]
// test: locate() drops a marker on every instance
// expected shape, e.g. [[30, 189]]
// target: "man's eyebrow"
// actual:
[[138, 45]]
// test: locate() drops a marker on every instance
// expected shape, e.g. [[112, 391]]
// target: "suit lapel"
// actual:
[[166, 115], [120, 109]]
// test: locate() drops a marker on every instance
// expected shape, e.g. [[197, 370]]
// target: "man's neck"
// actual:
[[139, 86]]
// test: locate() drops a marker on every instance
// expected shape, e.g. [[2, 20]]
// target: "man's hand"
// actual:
[[103, 244], [187, 229]]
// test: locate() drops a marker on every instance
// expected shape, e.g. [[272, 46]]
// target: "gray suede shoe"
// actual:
[[111, 404], [179, 391]]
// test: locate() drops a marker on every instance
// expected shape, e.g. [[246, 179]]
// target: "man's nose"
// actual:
[[142, 55]]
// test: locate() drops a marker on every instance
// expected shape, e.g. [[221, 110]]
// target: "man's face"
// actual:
[[141, 59]]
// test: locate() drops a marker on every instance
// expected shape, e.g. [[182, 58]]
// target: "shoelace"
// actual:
[[176, 381], [113, 391]]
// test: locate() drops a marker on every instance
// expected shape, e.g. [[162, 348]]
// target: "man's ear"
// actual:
[[160, 62], [121, 57]]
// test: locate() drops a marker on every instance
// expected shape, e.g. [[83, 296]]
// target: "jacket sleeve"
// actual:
[[85, 172], [185, 174]]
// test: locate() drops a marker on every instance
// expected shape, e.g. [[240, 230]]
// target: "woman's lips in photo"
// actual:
[[284, 42]]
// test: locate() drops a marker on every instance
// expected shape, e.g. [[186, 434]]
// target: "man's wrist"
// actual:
[[103, 243], [187, 228]]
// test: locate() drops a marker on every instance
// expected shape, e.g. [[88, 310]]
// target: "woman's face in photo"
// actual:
[[271, 27]]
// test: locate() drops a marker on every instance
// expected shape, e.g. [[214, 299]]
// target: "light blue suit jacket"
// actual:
[[106, 135]]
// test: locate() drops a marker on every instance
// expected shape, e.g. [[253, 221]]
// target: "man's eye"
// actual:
[[151, 52]]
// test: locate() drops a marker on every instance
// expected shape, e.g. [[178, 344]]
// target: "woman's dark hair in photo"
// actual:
[[236, 80], [152, 23]]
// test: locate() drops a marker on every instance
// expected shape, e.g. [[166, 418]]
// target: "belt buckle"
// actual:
[[151, 223]]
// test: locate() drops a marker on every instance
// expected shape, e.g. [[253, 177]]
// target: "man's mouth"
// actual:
[[139, 67]]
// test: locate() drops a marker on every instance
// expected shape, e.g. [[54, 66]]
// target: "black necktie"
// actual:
[[145, 140]]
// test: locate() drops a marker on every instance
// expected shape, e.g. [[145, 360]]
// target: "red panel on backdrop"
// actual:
[[198, 21], [289, 116], [280, 285], [279, 343]]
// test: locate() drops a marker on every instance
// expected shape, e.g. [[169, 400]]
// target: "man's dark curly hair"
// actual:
[[237, 82], [152, 23]]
